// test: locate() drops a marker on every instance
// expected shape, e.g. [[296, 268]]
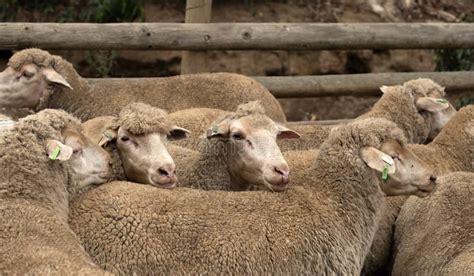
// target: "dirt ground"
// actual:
[[287, 63]]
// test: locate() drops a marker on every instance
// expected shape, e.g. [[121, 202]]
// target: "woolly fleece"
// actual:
[[107, 97], [326, 227], [398, 106], [34, 195], [435, 235], [453, 149]]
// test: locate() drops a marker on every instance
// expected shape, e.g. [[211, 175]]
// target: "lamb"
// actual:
[[36, 79], [435, 236], [130, 228], [239, 153], [35, 191], [136, 139]]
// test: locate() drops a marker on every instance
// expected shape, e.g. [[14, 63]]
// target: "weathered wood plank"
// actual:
[[197, 11], [236, 36], [359, 85]]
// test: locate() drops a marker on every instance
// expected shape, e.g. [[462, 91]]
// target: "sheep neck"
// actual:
[[399, 107], [57, 97]]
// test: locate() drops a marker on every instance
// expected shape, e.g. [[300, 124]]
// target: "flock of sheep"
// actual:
[[220, 197]]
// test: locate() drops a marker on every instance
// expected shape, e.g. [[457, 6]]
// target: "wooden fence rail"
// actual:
[[236, 36], [358, 85]]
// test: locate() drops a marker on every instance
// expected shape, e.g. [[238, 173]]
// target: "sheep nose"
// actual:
[[433, 178], [284, 171], [167, 170]]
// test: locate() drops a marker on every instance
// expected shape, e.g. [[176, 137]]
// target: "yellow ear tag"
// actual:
[[54, 155]]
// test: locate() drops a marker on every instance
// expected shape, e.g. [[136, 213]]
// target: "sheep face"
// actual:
[[24, 88], [146, 158], [253, 156], [439, 110], [400, 170], [428, 97], [88, 161]]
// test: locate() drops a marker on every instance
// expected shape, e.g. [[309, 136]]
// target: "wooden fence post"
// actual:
[[197, 11]]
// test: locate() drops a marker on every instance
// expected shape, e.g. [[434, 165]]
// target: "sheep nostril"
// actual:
[[163, 172], [433, 178]]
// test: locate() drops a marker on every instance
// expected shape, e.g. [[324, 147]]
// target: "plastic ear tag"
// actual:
[[443, 101], [385, 172], [54, 155], [215, 129], [387, 160]]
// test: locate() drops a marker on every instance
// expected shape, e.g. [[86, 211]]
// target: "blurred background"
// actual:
[[261, 63]]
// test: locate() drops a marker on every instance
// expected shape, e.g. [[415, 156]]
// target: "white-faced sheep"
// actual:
[[44, 162], [417, 107], [36, 79], [435, 236], [453, 149], [137, 141], [324, 227], [239, 153]]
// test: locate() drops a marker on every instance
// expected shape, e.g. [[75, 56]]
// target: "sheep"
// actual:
[[239, 153], [136, 139], [323, 227], [44, 162], [41, 80], [417, 107], [435, 236], [453, 149]]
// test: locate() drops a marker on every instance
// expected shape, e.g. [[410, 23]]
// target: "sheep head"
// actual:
[[429, 100], [141, 133], [253, 156], [401, 172], [28, 79]]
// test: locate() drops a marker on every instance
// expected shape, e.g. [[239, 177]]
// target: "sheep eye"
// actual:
[[27, 74], [77, 151], [125, 139], [237, 136]]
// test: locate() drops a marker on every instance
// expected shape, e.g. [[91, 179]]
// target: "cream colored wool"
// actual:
[[105, 98], [35, 237], [131, 228], [435, 235]]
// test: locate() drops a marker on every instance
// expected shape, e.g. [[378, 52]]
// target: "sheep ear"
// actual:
[[54, 77], [108, 135], [58, 151], [377, 160], [286, 133], [432, 104], [178, 133]]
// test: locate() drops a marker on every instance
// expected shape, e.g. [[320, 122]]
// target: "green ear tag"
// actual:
[[55, 153], [215, 129], [441, 101], [385, 172]]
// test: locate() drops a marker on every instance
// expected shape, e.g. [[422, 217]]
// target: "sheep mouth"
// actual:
[[424, 191], [275, 188], [168, 185]]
